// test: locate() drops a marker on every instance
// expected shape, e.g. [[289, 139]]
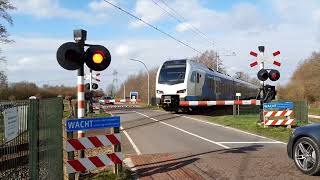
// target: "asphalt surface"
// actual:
[[211, 150]]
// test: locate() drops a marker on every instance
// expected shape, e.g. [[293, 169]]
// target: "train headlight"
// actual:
[[159, 92], [181, 91]]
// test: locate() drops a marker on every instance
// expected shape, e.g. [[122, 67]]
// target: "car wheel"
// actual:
[[307, 156]]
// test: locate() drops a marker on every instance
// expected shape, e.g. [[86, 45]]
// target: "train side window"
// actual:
[[198, 77], [193, 76]]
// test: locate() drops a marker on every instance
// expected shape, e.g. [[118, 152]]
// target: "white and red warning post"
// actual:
[[272, 111], [84, 164]]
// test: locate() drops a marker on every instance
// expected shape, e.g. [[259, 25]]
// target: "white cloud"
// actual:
[[186, 26], [146, 10], [241, 28], [122, 50], [99, 5], [52, 9]]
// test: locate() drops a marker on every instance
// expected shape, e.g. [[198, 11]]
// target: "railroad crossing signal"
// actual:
[[273, 74], [71, 57], [97, 58], [94, 77], [94, 86], [262, 58]]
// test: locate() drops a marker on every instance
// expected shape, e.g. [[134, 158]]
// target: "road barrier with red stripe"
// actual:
[[121, 100], [269, 114], [91, 163], [93, 142], [84, 164], [219, 103], [278, 113]]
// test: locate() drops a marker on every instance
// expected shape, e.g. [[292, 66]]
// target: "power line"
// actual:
[[194, 28], [152, 26]]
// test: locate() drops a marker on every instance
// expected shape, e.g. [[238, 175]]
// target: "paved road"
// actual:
[[213, 151]]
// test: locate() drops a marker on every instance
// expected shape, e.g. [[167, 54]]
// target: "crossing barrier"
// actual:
[[219, 103], [84, 164], [91, 163], [121, 101], [93, 142], [270, 114]]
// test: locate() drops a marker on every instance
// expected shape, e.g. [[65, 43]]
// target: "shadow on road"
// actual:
[[178, 161], [241, 150], [164, 168]]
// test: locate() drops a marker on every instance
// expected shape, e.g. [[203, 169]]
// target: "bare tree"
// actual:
[[210, 59], [5, 6], [305, 81]]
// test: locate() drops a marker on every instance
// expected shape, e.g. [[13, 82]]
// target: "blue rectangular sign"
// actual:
[[92, 123], [284, 105]]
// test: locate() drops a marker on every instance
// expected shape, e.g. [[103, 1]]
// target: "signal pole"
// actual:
[[80, 37], [261, 50], [90, 79]]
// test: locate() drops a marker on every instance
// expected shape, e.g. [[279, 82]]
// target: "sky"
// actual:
[[226, 26]]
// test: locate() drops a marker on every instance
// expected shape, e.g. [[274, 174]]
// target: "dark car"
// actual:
[[304, 148]]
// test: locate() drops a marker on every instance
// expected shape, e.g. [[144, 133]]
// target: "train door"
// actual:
[[199, 81]]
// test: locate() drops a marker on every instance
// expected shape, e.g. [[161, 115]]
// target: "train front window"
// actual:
[[172, 74]]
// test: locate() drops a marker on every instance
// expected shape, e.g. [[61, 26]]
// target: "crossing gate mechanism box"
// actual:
[[273, 111], [101, 160]]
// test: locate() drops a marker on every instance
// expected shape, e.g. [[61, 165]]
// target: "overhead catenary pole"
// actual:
[[124, 91], [148, 77]]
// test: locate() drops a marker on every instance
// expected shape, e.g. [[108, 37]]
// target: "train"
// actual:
[[188, 80]]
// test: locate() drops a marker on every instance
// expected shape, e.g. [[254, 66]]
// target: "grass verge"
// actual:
[[314, 111], [109, 175], [249, 123]]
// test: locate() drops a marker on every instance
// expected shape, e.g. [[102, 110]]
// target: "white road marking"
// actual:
[[187, 132], [219, 125], [135, 147], [250, 142]]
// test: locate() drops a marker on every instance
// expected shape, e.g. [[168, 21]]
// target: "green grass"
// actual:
[[314, 111], [249, 123], [99, 115], [108, 175]]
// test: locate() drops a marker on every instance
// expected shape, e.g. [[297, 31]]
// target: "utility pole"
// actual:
[[115, 81], [124, 91], [148, 77], [217, 61], [217, 56]]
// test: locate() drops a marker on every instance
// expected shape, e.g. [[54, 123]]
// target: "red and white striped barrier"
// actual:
[[121, 100], [219, 103], [93, 142], [91, 163], [279, 122], [278, 113]]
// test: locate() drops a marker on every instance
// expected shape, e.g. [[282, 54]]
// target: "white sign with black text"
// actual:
[[11, 123]]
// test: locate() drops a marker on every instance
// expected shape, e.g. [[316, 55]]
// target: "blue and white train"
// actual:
[[187, 80]]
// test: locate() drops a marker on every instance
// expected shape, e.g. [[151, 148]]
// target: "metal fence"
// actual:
[[300, 109], [36, 153]]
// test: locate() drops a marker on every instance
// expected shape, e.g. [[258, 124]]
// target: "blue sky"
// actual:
[[40, 26]]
